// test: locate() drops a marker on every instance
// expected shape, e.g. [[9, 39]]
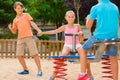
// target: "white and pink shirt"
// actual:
[[71, 30]]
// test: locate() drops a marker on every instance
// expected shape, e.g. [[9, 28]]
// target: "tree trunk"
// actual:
[[78, 16]]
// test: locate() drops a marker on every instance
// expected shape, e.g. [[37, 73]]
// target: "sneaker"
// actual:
[[39, 74], [91, 78], [85, 77], [23, 72], [51, 78]]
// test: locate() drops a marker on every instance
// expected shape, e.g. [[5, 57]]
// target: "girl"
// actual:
[[69, 28]]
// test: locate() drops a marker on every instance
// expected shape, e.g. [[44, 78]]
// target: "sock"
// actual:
[[39, 72], [82, 74]]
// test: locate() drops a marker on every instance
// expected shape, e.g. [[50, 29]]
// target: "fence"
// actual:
[[46, 48]]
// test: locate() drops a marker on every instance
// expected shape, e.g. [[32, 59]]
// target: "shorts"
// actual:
[[70, 46], [30, 43], [112, 50]]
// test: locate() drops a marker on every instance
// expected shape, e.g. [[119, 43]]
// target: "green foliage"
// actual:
[[44, 37], [82, 22], [8, 36], [7, 12], [47, 10], [43, 10]]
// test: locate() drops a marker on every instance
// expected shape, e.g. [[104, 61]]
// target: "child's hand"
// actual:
[[10, 26], [39, 33], [80, 33], [82, 39]]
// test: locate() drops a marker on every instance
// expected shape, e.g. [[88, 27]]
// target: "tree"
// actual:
[[5, 10], [7, 13], [48, 11], [77, 6], [83, 6]]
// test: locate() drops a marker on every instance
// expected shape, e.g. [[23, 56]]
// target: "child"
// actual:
[[106, 15], [23, 23], [68, 28]]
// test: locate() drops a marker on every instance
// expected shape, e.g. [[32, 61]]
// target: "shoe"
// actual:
[[91, 78], [51, 78], [85, 77], [23, 72], [39, 74]]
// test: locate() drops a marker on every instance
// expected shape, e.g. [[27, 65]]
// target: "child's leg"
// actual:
[[30, 42], [22, 62], [112, 51], [114, 67], [88, 64], [89, 70], [37, 61], [65, 51], [20, 53], [83, 59]]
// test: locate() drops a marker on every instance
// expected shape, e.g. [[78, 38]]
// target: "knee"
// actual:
[[36, 55]]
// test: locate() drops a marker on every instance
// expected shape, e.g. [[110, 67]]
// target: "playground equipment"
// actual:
[[105, 59], [106, 67], [60, 68], [60, 65], [60, 60]]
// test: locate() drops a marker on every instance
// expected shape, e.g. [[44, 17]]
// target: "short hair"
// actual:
[[18, 3], [70, 11]]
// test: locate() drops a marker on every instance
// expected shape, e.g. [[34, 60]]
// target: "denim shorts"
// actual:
[[112, 50]]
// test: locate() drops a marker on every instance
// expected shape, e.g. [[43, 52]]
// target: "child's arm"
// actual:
[[11, 28], [33, 24], [80, 33], [89, 22], [80, 30], [60, 29]]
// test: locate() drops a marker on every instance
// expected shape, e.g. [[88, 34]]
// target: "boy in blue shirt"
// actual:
[[107, 18]]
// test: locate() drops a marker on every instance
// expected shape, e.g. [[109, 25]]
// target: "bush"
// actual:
[[8, 36], [44, 37]]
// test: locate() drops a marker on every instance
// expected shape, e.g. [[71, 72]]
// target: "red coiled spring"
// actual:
[[60, 68], [107, 68]]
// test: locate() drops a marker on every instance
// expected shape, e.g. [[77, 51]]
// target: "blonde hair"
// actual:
[[69, 12], [18, 3]]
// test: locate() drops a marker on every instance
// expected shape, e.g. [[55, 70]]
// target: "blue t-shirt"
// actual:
[[107, 17]]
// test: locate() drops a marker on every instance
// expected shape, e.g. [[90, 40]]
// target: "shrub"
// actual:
[[8, 36], [44, 37]]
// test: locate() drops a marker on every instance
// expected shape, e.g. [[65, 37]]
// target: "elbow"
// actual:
[[14, 32], [87, 26]]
